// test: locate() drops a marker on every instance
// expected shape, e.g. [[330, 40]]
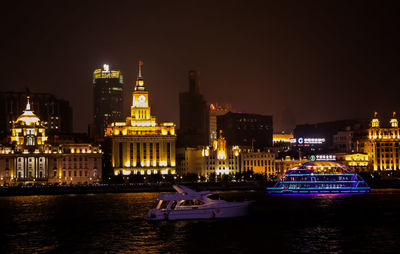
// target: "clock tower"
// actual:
[[141, 145], [140, 109]]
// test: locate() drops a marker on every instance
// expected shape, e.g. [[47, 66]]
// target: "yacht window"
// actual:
[[186, 203], [192, 203], [198, 202], [164, 204], [215, 197], [173, 205]]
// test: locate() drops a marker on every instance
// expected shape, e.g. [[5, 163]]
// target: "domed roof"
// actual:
[[28, 117]]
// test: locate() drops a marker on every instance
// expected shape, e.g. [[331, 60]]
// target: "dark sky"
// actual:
[[322, 60]]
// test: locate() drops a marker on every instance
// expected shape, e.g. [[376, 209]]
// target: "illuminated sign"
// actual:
[[323, 157], [309, 141]]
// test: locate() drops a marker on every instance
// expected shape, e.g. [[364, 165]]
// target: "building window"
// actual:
[[131, 153], [158, 151], [168, 153], [138, 154], [120, 155]]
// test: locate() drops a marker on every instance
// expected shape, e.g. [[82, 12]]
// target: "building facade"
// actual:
[[107, 98], [359, 162], [140, 145], [189, 160], [219, 159], [384, 153], [30, 159], [259, 162], [193, 115]]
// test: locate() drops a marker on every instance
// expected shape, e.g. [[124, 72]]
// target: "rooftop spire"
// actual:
[[28, 105], [140, 69], [139, 81]]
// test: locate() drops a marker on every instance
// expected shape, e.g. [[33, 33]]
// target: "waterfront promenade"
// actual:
[[121, 188], [153, 187]]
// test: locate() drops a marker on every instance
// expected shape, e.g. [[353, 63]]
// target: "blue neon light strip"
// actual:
[[314, 182], [310, 188], [311, 174]]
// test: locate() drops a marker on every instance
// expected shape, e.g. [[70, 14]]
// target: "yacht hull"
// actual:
[[229, 211]]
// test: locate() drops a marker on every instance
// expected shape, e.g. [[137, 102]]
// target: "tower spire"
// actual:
[[140, 69], [28, 105]]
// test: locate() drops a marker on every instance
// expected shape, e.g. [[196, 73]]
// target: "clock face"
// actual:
[[142, 98]]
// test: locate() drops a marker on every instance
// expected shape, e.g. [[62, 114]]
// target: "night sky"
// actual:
[[320, 60]]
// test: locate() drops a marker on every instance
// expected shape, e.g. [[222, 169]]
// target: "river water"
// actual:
[[114, 223]]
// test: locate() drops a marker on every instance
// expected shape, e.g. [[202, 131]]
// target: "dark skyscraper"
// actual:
[[107, 97], [249, 130], [193, 115], [55, 113]]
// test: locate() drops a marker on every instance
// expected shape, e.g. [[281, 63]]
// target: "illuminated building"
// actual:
[[246, 130], [220, 159], [193, 115], [359, 162], [30, 159], [56, 114], [107, 97], [140, 145], [282, 138], [385, 154], [259, 162], [214, 111]]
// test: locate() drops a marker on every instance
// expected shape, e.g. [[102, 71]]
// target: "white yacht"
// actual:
[[190, 204]]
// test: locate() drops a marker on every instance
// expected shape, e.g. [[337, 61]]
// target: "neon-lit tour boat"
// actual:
[[319, 177], [190, 204]]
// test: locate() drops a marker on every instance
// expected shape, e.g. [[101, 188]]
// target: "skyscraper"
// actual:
[[193, 114], [107, 97]]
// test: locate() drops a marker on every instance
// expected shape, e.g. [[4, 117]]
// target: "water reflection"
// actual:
[[115, 223]]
